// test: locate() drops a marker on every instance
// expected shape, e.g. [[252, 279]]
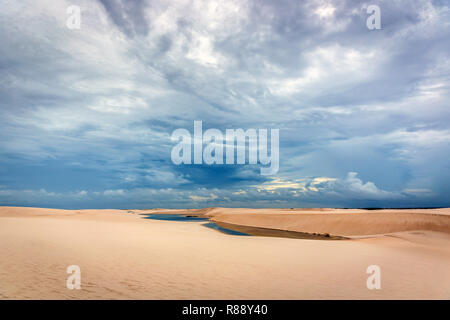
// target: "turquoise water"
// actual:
[[214, 226], [179, 217], [173, 217]]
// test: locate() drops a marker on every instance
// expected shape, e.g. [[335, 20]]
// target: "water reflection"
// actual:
[[174, 217], [180, 217], [214, 226]]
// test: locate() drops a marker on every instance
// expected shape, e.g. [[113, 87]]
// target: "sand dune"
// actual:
[[343, 222], [123, 256]]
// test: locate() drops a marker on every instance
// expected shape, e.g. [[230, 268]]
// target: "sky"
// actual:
[[86, 115]]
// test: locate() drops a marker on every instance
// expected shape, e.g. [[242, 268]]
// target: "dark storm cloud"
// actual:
[[128, 15]]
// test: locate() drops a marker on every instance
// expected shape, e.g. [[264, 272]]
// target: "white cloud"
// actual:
[[345, 99]]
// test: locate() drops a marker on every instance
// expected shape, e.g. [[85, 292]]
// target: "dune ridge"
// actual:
[[122, 255], [338, 222]]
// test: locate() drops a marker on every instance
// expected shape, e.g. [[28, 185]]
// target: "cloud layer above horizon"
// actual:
[[86, 115]]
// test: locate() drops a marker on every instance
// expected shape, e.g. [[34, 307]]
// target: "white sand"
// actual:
[[123, 256]]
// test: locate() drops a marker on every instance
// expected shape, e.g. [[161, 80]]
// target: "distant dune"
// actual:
[[343, 222], [124, 256]]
